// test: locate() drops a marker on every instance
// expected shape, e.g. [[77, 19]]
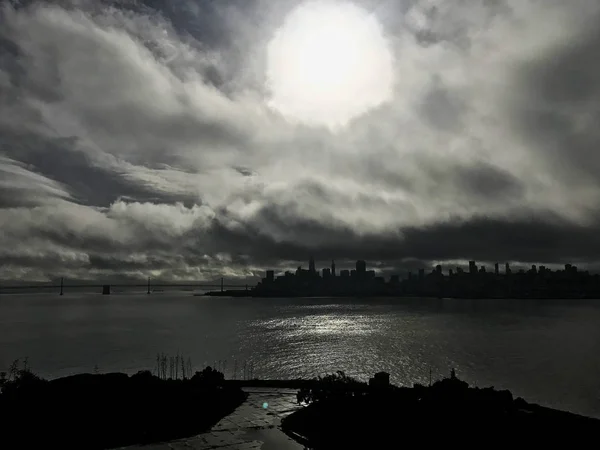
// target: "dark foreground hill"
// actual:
[[90, 411], [345, 414]]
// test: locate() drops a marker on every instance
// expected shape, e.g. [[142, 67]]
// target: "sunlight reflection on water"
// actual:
[[507, 344]]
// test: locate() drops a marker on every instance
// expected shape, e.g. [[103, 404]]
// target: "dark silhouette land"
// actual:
[[477, 282], [343, 413], [94, 411]]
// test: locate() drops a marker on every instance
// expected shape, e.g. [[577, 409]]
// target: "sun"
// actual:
[[328, 63]]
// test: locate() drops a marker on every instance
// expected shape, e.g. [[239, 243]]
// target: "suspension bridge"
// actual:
[[106, 288]]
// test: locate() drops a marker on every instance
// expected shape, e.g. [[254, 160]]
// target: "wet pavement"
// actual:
[[253, 425]]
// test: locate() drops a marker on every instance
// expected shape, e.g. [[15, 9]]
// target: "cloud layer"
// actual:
[[136, 140]]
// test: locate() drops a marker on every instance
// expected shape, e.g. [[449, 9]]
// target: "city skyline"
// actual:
[[474, 282], [360, 266], [196, 139]]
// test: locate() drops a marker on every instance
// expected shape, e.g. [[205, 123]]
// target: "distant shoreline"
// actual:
[[251, 294]]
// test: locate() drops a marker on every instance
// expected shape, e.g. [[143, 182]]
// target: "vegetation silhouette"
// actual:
[[98, 411], [344, 413]]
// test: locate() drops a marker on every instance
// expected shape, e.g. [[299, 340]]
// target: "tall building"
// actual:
[[326, 272], [332, 268], [507, 268], [361, 268], [270, 276], [311, 266], [421, 274], [438, 269], [472, 267], [496, 269], [345, 273]]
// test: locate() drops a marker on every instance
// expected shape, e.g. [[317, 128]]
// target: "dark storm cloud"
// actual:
[[134, 140], [488, 182], [529, 238], [60, 160], [560, 113]]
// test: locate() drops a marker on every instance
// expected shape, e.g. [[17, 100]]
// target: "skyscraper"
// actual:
[[311, 266], [472, 267], [361, 268], [332, 268]]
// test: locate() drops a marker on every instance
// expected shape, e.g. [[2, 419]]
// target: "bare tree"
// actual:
[[13, 370], [163, 363]]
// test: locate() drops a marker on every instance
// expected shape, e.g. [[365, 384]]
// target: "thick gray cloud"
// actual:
[[136, 140]]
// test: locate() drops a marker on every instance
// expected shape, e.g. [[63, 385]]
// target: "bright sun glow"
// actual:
[[328, 63]]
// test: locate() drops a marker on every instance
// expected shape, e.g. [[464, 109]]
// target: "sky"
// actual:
[[197, 139]]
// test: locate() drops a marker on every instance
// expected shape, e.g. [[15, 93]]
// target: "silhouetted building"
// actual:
[[507, 270], [333, 268], [472, 267], [311, 266], [361, 268], [537, 282], [380, 380]]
